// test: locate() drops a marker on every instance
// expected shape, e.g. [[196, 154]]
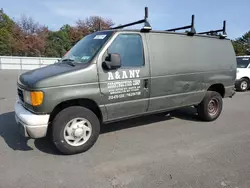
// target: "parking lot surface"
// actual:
[[173, 150]]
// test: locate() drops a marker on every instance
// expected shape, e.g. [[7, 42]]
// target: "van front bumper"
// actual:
[[30, 125]]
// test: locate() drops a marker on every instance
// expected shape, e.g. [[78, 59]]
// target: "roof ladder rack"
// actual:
[[191, 27], [214, 32], [147, 26]]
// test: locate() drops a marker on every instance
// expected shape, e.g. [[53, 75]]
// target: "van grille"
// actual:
[[20, 94]]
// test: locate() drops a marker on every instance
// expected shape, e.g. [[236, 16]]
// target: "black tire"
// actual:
[[65, 116], [242, 85], [205, 111]]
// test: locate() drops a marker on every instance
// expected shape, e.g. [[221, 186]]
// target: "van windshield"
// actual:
[[243, 62], [84, 50]]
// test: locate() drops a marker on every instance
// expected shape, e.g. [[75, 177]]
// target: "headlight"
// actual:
[[27, 97], [34, 98]]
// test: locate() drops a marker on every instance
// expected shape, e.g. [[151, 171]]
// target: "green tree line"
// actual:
[[26, 37], [242, 44]]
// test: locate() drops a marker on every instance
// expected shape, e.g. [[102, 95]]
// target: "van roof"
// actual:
[[242, 56], [162, 32]]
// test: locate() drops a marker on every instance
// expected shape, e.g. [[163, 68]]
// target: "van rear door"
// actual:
[[125, 90]]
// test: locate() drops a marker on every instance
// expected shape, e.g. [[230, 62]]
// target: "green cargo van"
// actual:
[[116, 74]]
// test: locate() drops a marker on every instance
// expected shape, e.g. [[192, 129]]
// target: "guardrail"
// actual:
[[25, 63]]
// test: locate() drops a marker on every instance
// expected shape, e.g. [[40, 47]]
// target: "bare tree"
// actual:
[[29, 26], [93, 23]]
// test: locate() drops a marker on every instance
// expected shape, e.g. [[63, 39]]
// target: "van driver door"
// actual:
[[125, 90]]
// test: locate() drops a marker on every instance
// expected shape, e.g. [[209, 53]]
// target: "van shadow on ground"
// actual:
[[9, 130], [10, 133]]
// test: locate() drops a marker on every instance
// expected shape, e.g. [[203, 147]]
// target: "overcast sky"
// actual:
[[163, 14]]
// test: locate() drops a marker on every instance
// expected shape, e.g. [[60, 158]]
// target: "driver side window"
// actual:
[[130, 48]]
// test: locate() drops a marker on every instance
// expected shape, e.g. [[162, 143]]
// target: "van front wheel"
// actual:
[[75, 130], [211, 106], [242, 85]]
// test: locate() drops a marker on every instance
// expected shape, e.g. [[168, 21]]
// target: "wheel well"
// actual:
[[218, 88], [87, 103], [245, 78]]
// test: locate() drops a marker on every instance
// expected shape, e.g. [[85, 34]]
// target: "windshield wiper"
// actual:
[[69, 62]]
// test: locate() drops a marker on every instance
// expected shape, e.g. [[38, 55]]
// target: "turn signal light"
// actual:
[[36, 98]]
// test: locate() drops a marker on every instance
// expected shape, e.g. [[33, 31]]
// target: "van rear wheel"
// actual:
[[211, 106], [75, 130]]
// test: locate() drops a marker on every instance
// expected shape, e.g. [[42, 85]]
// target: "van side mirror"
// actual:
[[112, 61]]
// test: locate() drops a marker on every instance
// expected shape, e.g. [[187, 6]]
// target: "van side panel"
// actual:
[[184, 67]]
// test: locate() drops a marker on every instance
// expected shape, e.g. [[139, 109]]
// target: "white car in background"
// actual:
[[243, 73]]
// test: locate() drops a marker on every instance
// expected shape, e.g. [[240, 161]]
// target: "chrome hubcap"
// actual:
[[243, 85], [213, 107], [77, 131]]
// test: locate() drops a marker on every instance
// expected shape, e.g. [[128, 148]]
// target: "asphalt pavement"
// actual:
[[162, 150]]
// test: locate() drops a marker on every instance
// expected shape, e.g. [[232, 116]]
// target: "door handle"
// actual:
[[146, 84]]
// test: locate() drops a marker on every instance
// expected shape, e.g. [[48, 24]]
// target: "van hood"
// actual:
[[45, 76]]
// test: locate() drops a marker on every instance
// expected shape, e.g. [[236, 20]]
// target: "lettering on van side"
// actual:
[[124, 75], [124, 88]]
